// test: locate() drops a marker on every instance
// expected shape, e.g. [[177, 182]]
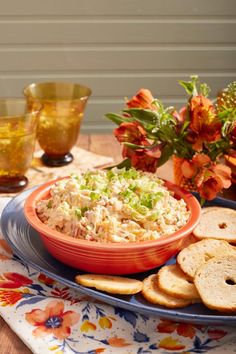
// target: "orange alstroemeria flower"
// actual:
[[211, 181], [131, 132], [53, 320], [181, 115], [210, 187], [143, 160], [224, 173], [191, 168], [209, 177], [143, 99], [204, 124], [13, 280]]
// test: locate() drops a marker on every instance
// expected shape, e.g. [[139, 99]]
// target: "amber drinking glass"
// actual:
[[17, 142], [63, 106]]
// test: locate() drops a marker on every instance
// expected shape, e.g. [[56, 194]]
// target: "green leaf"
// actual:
[[226, 128], [188, 86], [185, 125], [166, 153], [134, 146], [194, 87], [143, 115], [117, 118]]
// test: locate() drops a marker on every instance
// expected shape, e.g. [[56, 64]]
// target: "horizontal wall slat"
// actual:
[[108, 59], [115, 86], [121, 7], [95, 111], [89, 33]]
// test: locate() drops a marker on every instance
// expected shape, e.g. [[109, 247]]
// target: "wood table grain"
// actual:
[[99, 144]]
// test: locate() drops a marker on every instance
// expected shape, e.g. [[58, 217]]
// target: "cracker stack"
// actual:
[[203, 265]]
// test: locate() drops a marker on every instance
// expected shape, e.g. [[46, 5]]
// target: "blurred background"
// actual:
[[116, 48]]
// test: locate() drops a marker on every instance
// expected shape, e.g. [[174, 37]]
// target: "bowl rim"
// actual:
[[43, 190]]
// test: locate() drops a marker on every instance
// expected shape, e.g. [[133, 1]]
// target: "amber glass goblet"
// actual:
[[63, 106], [17, 143]]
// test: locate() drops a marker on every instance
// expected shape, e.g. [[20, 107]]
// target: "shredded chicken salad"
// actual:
[[117, 205]]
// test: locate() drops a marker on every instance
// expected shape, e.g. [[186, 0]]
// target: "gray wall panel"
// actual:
[[118, 59], [118, 8], [117, 47], [116, 32]]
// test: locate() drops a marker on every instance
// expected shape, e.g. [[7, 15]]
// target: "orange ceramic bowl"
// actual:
[[112, 258]]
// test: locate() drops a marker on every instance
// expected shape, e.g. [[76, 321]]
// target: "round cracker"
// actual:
[[153, 294], [216, 283], [110, 283], [218, 223], [210, 208], [173, 281], [196, 254]]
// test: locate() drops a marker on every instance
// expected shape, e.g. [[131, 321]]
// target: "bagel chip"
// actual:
[[153, 294], [110, 283]]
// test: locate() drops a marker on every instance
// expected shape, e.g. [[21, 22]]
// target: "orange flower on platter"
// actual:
[[182, 329], [143, 99], [11, 297], [204, 123], [52, 320], [87, 326], [46, 280], [105, 322], [13, 280], [5, 250], [216, 334], [170, 343], [118, 342]]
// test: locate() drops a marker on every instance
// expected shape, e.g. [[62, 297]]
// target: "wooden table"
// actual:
[[104, 145]]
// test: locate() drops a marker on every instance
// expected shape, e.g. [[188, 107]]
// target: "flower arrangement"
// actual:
[[197, 137]]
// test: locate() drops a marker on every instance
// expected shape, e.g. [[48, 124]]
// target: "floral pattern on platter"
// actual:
[[58, 320]]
